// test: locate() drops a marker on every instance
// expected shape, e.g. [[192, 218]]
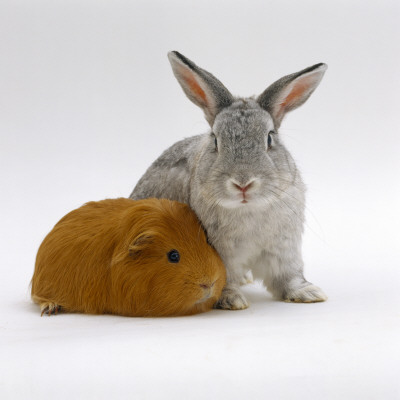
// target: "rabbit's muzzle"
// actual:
[[241, 191]]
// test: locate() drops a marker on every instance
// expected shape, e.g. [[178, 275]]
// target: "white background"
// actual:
[[88, 101]]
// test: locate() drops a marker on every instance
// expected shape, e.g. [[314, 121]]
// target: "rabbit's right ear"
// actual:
[[291, 91], [202, 88]]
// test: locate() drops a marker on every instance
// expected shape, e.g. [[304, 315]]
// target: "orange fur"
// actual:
[[110, 256]]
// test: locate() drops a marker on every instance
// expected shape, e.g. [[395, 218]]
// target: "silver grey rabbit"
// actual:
[[241, 181]]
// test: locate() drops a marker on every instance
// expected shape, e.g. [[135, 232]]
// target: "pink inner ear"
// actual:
[[195, 87], [294, 94], [298, 91]]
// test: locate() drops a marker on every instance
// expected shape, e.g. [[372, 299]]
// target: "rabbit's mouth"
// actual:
[[247, 202], [242, 191]]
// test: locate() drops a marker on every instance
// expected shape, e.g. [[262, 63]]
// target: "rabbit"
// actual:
[[147, 258], [241, 181]]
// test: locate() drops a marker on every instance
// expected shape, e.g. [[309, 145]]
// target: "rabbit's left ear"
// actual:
[[291, 91], [201, 87]]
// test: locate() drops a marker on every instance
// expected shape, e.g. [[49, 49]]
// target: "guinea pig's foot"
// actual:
[[232, 299], [49, 308], [307, 294]]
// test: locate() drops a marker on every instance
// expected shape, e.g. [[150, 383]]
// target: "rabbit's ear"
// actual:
[[291, 91], [204, 89]]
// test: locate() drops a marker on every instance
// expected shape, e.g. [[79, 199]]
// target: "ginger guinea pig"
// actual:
[[134, 258]]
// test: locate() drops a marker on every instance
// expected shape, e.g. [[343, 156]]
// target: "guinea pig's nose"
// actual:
[[207, 285], [204, 286]]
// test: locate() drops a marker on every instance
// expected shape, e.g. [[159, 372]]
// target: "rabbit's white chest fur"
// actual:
[[254, 237]]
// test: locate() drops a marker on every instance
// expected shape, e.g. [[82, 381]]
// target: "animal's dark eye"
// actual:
[[173, 256], [270, 133], [216, 143], [269, 140]]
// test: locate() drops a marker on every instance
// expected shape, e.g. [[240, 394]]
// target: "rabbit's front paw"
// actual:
[[232, 299], [307, 294]]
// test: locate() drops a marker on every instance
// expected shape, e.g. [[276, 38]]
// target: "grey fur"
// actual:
[[208, 82], [270, 97], [264, 234]]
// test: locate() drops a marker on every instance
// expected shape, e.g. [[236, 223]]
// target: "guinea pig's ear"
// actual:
[[139, 243]]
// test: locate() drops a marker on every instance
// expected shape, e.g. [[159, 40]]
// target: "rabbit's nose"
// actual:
[[244, 188]]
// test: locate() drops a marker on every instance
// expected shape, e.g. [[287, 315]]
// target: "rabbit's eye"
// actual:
[[269, 140], [215, 141], [173, 256], [270, 133]]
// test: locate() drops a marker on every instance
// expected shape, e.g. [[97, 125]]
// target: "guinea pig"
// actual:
[[133, 258]]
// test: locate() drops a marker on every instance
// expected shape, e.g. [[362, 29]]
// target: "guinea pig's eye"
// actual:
[[173, 256]]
